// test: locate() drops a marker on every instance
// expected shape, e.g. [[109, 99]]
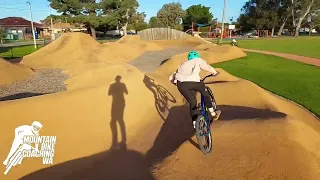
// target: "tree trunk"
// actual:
[[93, 32], [272, 32], [124, 28], [282, 26], [296, 34], [297, 30], [125, 25], [292, 13]]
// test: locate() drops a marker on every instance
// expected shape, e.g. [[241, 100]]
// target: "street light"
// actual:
[[33, 33], [223, 20]]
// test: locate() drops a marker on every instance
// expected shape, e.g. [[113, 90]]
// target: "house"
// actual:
[[18, 28]]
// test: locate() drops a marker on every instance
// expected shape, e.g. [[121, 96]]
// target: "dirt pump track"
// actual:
[[115, 121]]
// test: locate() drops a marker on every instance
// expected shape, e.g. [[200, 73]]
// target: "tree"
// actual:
[[284, 14], [313, 20], [199, 14], [85, 11], [299, 10], [122, 10], [272, 7], [2, 35], [255, 15], [57, 19], [171, 15], [137, 23], [153, 22]]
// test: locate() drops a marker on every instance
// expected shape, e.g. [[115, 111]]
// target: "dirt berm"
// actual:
[[259, 135], [10, 73]]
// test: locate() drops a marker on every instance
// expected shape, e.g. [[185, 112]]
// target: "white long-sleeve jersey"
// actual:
[[190, 70]]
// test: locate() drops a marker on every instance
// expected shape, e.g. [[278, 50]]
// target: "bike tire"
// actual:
[[213, 100], [12, 163], [165, 93], [201, 124]]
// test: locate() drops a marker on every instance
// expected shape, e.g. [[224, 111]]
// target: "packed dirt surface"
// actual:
[[118, 122], [10, 73]]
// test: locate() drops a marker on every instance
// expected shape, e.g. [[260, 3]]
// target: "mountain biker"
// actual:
[[20, 132], [188, 80]]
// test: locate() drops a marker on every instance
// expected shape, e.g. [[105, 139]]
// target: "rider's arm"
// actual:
[[205, 66], [18, 130], [171, 76]]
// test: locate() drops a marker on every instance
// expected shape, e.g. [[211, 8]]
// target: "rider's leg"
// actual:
[[15, 145], [185, 89], [207, 99]]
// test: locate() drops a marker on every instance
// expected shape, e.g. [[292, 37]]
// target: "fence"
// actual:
[[20, 49], [161, 33]]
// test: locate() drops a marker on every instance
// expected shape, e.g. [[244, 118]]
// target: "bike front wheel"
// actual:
[[203, 134]]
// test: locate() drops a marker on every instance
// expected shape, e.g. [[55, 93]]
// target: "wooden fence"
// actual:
[[161, 33]]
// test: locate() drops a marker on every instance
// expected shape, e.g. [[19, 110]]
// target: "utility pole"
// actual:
[[223, 20], [33, 33]]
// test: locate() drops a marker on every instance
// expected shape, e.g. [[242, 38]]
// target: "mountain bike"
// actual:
[[202, 122], [17, 157]]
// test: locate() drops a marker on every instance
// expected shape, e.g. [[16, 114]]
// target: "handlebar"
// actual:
[[210, 75]]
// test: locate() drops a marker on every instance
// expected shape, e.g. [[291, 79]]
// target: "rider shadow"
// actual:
[[117, 164], [117, 90]]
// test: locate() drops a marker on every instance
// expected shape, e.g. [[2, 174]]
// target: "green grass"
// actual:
[[304, 45], [290, 79], [17, 52]]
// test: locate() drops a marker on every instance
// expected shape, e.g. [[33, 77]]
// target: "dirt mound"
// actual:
[[186, 42], [128, 49], [159, 135], [70, 48], [10, 73], [211, 55], [129, 39], [78, 49], [203, 47]]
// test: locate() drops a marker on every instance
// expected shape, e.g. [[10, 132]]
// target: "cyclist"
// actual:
[[187, 79], [21, 131]]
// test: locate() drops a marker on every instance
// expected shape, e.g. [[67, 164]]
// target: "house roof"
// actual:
[[17, 22]]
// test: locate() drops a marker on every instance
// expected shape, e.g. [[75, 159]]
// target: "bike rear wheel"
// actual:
[[203, 134]]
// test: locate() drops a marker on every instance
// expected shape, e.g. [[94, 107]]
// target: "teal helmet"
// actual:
[[192, 55]]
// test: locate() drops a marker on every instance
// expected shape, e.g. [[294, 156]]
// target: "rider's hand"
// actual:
[[216, 73]]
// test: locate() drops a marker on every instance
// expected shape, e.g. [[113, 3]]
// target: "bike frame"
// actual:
[[203, 108], [203, 113]]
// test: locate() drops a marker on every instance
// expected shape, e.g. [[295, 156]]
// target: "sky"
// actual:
[[41, 9]]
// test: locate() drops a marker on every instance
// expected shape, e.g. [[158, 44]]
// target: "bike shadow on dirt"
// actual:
[[161, 96], [178, 118]]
